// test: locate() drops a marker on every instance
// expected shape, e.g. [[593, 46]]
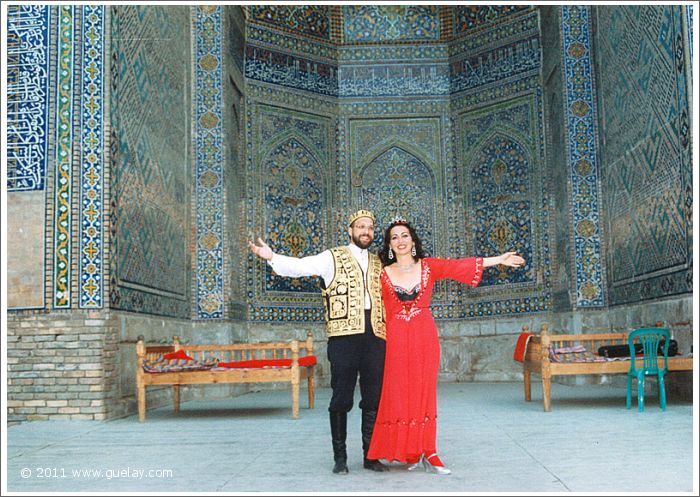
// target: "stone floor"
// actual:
[[488, 435]]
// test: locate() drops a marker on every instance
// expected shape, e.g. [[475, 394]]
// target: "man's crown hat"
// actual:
[[361, 213]]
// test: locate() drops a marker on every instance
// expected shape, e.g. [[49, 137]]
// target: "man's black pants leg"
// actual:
[[350, 356], [339, 423]]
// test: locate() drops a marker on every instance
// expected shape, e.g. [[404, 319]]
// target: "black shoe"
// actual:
[[368, 420], [341, 467], [374, 465]]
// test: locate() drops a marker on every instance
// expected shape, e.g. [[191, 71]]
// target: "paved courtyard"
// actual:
[[488, 435]]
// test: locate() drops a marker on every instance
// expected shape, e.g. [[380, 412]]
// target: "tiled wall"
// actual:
[[647, 165], [163, 138], [152, 160], [449, 135], [56, 154]]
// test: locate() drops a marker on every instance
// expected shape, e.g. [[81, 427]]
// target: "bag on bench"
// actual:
[[624, 350]]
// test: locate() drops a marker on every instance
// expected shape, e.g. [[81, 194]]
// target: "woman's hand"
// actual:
[[262, 250]]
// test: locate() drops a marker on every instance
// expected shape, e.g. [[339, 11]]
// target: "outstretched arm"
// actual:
[[511, 259], [262, 250], [314, 265]]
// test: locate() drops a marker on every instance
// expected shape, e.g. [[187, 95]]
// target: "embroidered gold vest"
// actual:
[[344, 299]]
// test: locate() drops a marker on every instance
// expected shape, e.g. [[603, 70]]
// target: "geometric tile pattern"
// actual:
[[506, 203], [397, 156], [310, 20], [520, 26], [290, 44], [398, 182], [91, 252], [294, 200], [28, 78], [474, 17], [151, 160], [63, 188], [209, 160], [582, 161], [386, 53], [79, 136], [290, 166], [512, 49], [381, 23], [500, 197], [395, 166], [648, 152]]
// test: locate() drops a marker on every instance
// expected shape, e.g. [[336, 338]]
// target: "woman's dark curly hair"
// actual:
[[384, 251]]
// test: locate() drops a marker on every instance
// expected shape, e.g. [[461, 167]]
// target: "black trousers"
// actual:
[[353, 355]]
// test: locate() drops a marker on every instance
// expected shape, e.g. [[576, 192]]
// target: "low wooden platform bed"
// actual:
[[183, 364], [557, 355]]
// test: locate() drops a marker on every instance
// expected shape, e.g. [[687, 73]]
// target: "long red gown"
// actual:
[[406, 422]]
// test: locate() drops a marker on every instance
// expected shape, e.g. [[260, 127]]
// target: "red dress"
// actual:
[[406, 421]]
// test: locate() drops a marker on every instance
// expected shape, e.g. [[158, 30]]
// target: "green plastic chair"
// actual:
[[650, 338]]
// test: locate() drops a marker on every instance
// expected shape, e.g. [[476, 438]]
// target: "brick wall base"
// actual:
[[60, 365]]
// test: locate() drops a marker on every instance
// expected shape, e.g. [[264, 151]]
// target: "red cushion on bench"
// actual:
[[308, 360], [180, 354]]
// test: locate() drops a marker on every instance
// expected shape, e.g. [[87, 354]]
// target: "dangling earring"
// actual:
[[391, 253], [413, 250]]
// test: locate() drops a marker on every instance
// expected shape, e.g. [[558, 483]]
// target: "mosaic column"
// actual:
[[92, 159], [582, 151], [63, 193], [209, 158]]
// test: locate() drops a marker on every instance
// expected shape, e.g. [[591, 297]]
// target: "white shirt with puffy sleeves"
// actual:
[[319, 265]]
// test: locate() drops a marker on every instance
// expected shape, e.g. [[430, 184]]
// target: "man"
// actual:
[[352, 298]]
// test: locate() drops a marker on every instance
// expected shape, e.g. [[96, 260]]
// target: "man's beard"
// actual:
[[361, 243]]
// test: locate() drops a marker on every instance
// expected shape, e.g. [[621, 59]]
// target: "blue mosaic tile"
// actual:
[[517, 59], [400, 79], [582, 152], [209, 294], [291, 71], [473, 17], [376, 23], [290, 205], [92, 159], [63, 188], [150, 239], [28, 80], [648, 152], [310, 20]]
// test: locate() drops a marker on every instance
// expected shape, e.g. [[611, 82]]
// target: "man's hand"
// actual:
[[262, 250], [512, 259]]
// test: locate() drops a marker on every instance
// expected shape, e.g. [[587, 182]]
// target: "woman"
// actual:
[[405, 429]]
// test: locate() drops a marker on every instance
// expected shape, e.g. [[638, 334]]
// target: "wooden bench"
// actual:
[[537, 359], [253, 367]]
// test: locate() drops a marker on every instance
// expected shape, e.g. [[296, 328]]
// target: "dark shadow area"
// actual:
[[220, 412]]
